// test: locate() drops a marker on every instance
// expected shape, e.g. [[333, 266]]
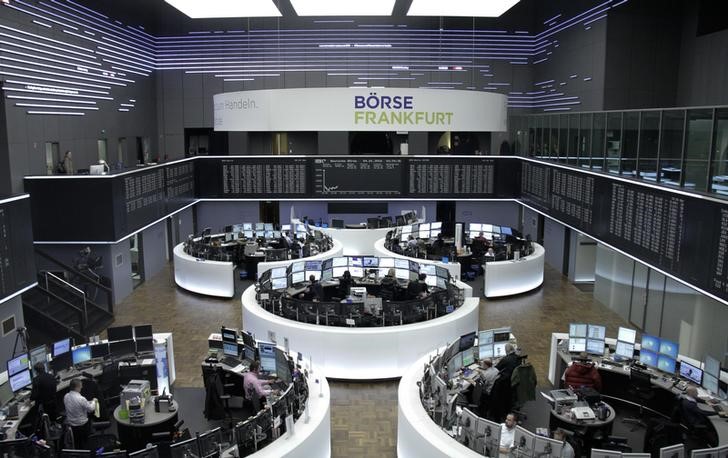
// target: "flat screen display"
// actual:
[[61, 347], [370, 261], [298, 277], [648, 358], [668, 348], [624, 350], [248, 234], [468, 356], [339, 271], [401, 263], [356, 272], [280, 283], [356, 261], [467, 340], [247, 226], [229, 335], [327, 275], [595, 347], [297, 267], [577, 330], [577, 344], [442, 272], [440, 282], [315, 273], [485, 337], [650, 343], [100, 350], [143, 331], [81, 354], [666, 364], [627, 335], [596, 332], [268, 226], [499, 349], [506, 230], [402, 274], [122, 347], [260, 226], [278, 272], [431, 281], [712, 366], [710, 383], [120, 333], [38, 355], [313, 265], [341, 261], [17, 364], [485, 351], [286, 227], [428, 269], [20, 380], [386, 262], [266, 352], [475, 227], [230, 349], [690, 372]]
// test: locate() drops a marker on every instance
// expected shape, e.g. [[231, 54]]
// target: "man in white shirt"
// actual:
[[507, 436], [77, 410], [567, 451]]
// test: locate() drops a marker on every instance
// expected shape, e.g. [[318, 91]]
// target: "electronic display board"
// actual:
[[358, 177], [17, 265]]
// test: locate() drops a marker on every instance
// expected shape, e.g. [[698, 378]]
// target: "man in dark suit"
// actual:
[[694, 418], [508, 362], [44, 391]]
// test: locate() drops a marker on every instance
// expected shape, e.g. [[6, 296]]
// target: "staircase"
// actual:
[[67, 302]]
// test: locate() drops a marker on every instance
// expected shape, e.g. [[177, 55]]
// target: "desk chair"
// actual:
[[641, 388], [99, 438]]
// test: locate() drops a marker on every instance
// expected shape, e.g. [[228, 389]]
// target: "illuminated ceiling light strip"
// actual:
[[143, 60], [99, 42], [574, 20], [61, 113], [248, 74], [239, 79], [460, 8], [26, 40], [343, 8], [385, 78], [196, 9], [145, 71], [74, 71], [42, 51], [43, 72], [127, 70], [42, 24], [33, 56], [132, 47], [117, 55], [24, 75], [595, 19], [97, 25], [123, 110], [48, 39], [127, 105], [38, 105], [47, 99], [40, 16], [24, 83]]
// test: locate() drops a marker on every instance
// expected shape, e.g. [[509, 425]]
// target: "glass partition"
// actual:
[[614, 141], [600, 124], [719, 181], [573, 138], [585, 133], [697, 149], [629, 147], [649, 141], [671, 142]]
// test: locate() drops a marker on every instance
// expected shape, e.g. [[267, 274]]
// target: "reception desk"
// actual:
[[211, 278], [360, 353], [507, 278]]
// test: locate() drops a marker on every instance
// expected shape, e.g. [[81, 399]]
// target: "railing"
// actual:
[[49, 279]]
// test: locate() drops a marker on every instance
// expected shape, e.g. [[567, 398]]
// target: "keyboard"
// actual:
[[230, 361], [609, 362]]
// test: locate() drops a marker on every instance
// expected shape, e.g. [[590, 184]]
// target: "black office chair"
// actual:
[[616, 443], [641, 389], [99, 438]]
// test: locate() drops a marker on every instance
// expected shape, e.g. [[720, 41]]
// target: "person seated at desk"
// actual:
[[417, 289], [388, 285], [438, 246], [411, 242], [44, 391], [583, 372], [77, 410], [345, 283], [507, 436], [488, 374], [394, 246], [481, 238], [687, 411], [314, 291], [253, 386]]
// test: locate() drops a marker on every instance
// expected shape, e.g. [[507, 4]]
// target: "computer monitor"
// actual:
[[490, 432], [230, 349], [627, 335], [247, 226], [114, 454], [17, 364], [673, 451], [386, 262], [401, 274], [428, 269], [122, 347], [597, 332], [474, 228], [602, 453], [260, 226], [506, 230], [523, 441], [315, 273], [184, 449], [6, 393], [280, 283], [210, 441], [668, 348], [401, 263], [249, 353], [228, 334], [690, 372], [120, 333], [298, 277], [61, 362], [650, 343], [485, 351], [710, 383], [268, 226], [715, 452], [248, 234], [268, 234], [624, 350], [144, 345], [312, 265], [356, 272], [20, 380], [339, 271], [577, 344], [666, 364], [38, 355], [283, 370], [327, 274], [485, 337], [100, 350], [648, 358], [468, 427], [143, 331], [545, 447], [711, 366], [267, 355], [467, 341], [595, 347], [61, 347], [577, 330], [499, 349], [81, 354], [278, 272], [468, 356], [454, 365]]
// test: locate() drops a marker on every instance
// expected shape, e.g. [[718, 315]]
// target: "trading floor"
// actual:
[[363, 414]]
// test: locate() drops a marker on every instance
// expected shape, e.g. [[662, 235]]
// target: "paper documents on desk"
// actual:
[[547, 397], [147, 362]]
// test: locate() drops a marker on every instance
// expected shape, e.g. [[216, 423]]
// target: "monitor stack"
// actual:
[[625, 344]]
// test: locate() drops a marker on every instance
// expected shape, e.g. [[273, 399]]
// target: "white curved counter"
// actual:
[[506, 278], [418, 436], [212, 278], [335, 251], [360, 353], [381, 251]]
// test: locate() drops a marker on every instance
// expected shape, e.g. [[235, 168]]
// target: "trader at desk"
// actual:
[[583, 372], [314, 291], [388, 286], [417, 289], [253, 387], [507, 436], [696, 419], [345, 283]]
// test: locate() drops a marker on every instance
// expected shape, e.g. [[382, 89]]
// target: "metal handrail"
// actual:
[[84, 315]]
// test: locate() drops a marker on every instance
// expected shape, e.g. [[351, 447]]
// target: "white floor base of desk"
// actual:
[[312, 439], [211, 278], [418, 436], [382, 252], [507, 278], [360, 353]]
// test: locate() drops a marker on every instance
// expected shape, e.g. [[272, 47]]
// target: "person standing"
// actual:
[[507, 436], [68, 163], [44, 391], [77, 410]]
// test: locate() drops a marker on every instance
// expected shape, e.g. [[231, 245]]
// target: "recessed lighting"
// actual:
[[198, 9], [467, 8], [343, 7]]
